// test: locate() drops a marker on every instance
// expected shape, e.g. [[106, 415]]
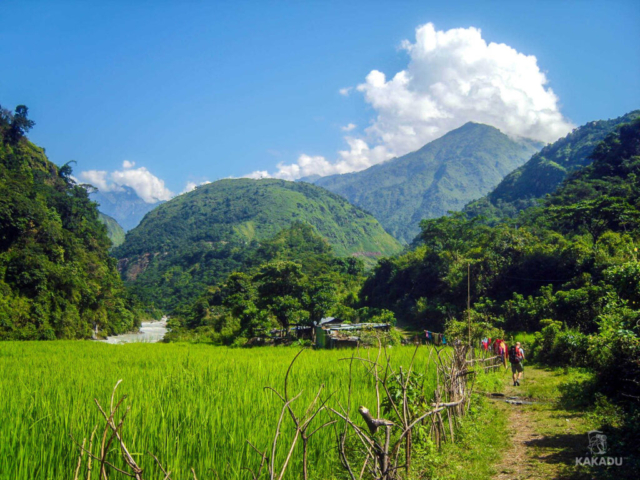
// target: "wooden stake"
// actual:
[[469, 301]]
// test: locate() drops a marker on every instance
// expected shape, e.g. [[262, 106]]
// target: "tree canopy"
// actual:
[[57, 279]]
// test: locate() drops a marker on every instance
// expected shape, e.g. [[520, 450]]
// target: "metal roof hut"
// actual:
[[332, 333]]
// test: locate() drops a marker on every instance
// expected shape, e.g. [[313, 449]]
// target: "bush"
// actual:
[[370, 337], [481, 327], [556, 346]]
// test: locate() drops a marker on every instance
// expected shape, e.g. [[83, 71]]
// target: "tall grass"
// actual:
[[191, 405]]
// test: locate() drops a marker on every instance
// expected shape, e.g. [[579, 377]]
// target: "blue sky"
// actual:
[[200, 91]]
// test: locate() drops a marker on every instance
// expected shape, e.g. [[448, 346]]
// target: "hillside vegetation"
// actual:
[[198, 238], [114, 230], [292, 279], [570, 271], [559, 263], [444, 175], [56, 277], [545, 171]]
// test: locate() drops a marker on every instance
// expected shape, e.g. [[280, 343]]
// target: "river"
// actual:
[[150, 332]]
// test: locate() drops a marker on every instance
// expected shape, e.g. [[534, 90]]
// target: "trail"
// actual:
[[517, 461], [545, 438]]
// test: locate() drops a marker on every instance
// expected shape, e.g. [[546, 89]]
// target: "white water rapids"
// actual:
[[150, 332]]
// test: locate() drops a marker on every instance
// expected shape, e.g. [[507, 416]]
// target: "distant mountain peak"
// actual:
[[443, 175], [545, 171], [472, 124], [124, 205]]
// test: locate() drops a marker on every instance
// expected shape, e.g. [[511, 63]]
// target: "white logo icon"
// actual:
[[597, 442]]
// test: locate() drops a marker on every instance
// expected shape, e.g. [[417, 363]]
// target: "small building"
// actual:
[[331, 333]]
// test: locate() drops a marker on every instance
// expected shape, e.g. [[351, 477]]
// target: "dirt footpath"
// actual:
[[545, 438]]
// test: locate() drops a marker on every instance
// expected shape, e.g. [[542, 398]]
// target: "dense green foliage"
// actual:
[[198, 238], [545, 171], [570, 270], [114, 230], [191, 405], [56, 277], [442, 176], [558, 263], [292, 279]]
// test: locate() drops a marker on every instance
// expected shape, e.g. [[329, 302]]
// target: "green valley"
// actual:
[[320, 240], [114, 230]]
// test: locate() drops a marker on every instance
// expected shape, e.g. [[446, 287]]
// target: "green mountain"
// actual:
[[569, 259], [57, 279], [443, 175], [114, 230], [603, 196], [545, 171], [570, 272], [197, 238]]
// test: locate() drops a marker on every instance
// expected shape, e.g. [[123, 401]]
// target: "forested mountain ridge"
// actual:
[[57, 279], [444, 175], [545, 171], [567, 260], [570, 271], [114, 230], [197, 238]]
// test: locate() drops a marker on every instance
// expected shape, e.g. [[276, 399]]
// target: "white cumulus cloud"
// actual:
[[452, 77], [147, 186], [97, 178], [349, 127], [190, 186]]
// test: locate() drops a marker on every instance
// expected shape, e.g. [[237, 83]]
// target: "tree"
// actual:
[[20, 125], [281, 291], [321, 297], [65, 173]]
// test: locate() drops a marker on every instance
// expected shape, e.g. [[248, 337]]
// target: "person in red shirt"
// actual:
[[516, 357]]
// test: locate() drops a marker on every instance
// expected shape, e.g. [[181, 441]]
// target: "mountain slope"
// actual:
[[443, 175], [564, 261], [114, 230], [125, 206], [197, 238], [57, 279], [545, 171]]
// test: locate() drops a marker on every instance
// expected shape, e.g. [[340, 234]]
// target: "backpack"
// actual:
[[514, 355]]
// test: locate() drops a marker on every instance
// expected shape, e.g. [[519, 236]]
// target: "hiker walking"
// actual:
[[516, 357], [500, 350]]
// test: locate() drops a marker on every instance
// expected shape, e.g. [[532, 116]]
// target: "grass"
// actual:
[[502, 441], [191, 405], [478, 443], [548, 436], [548, 384]]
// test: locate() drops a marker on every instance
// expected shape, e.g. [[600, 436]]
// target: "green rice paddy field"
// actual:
[[191, 405]]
